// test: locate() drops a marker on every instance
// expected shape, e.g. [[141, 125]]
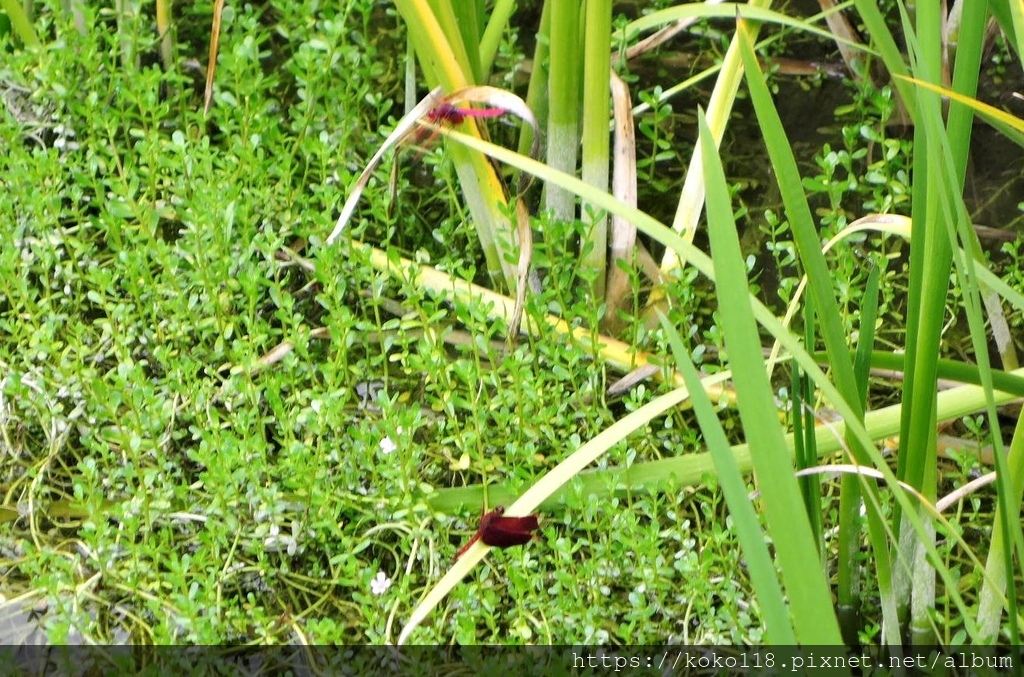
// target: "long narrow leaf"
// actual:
[[805, 232], [813, 617], [778, 626]]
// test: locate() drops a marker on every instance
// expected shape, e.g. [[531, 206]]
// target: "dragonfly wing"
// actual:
[[503, 100]]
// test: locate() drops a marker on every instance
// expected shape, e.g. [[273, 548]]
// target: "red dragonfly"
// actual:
[[446, 113], [443, 114], [499, 531]]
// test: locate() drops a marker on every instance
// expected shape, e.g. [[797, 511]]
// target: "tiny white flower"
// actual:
[[276, 542], [380, 584], [387, 446]]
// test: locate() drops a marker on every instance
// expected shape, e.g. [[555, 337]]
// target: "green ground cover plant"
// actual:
[[223, 422]]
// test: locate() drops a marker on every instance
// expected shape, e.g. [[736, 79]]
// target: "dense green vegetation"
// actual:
[[217, 427]]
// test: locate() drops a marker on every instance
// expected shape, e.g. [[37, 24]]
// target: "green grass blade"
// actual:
[[20, 22], [1011, 127], [464, 19], [969, 259], [930, 265], [537, 92], [802, 416], [1007, 535], [497, 22], [866, 340], [805, 231], [965, 82], [1010, 16], [763, 576], [809, 595], [951, 370], [753, 11], [848, 573], [820, 281]]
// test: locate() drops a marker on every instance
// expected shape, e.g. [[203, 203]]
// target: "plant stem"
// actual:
[[596, 77], [563, 99]]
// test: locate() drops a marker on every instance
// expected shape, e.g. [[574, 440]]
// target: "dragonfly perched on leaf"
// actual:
[[429, 118], [446, 113], [499, 531]]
